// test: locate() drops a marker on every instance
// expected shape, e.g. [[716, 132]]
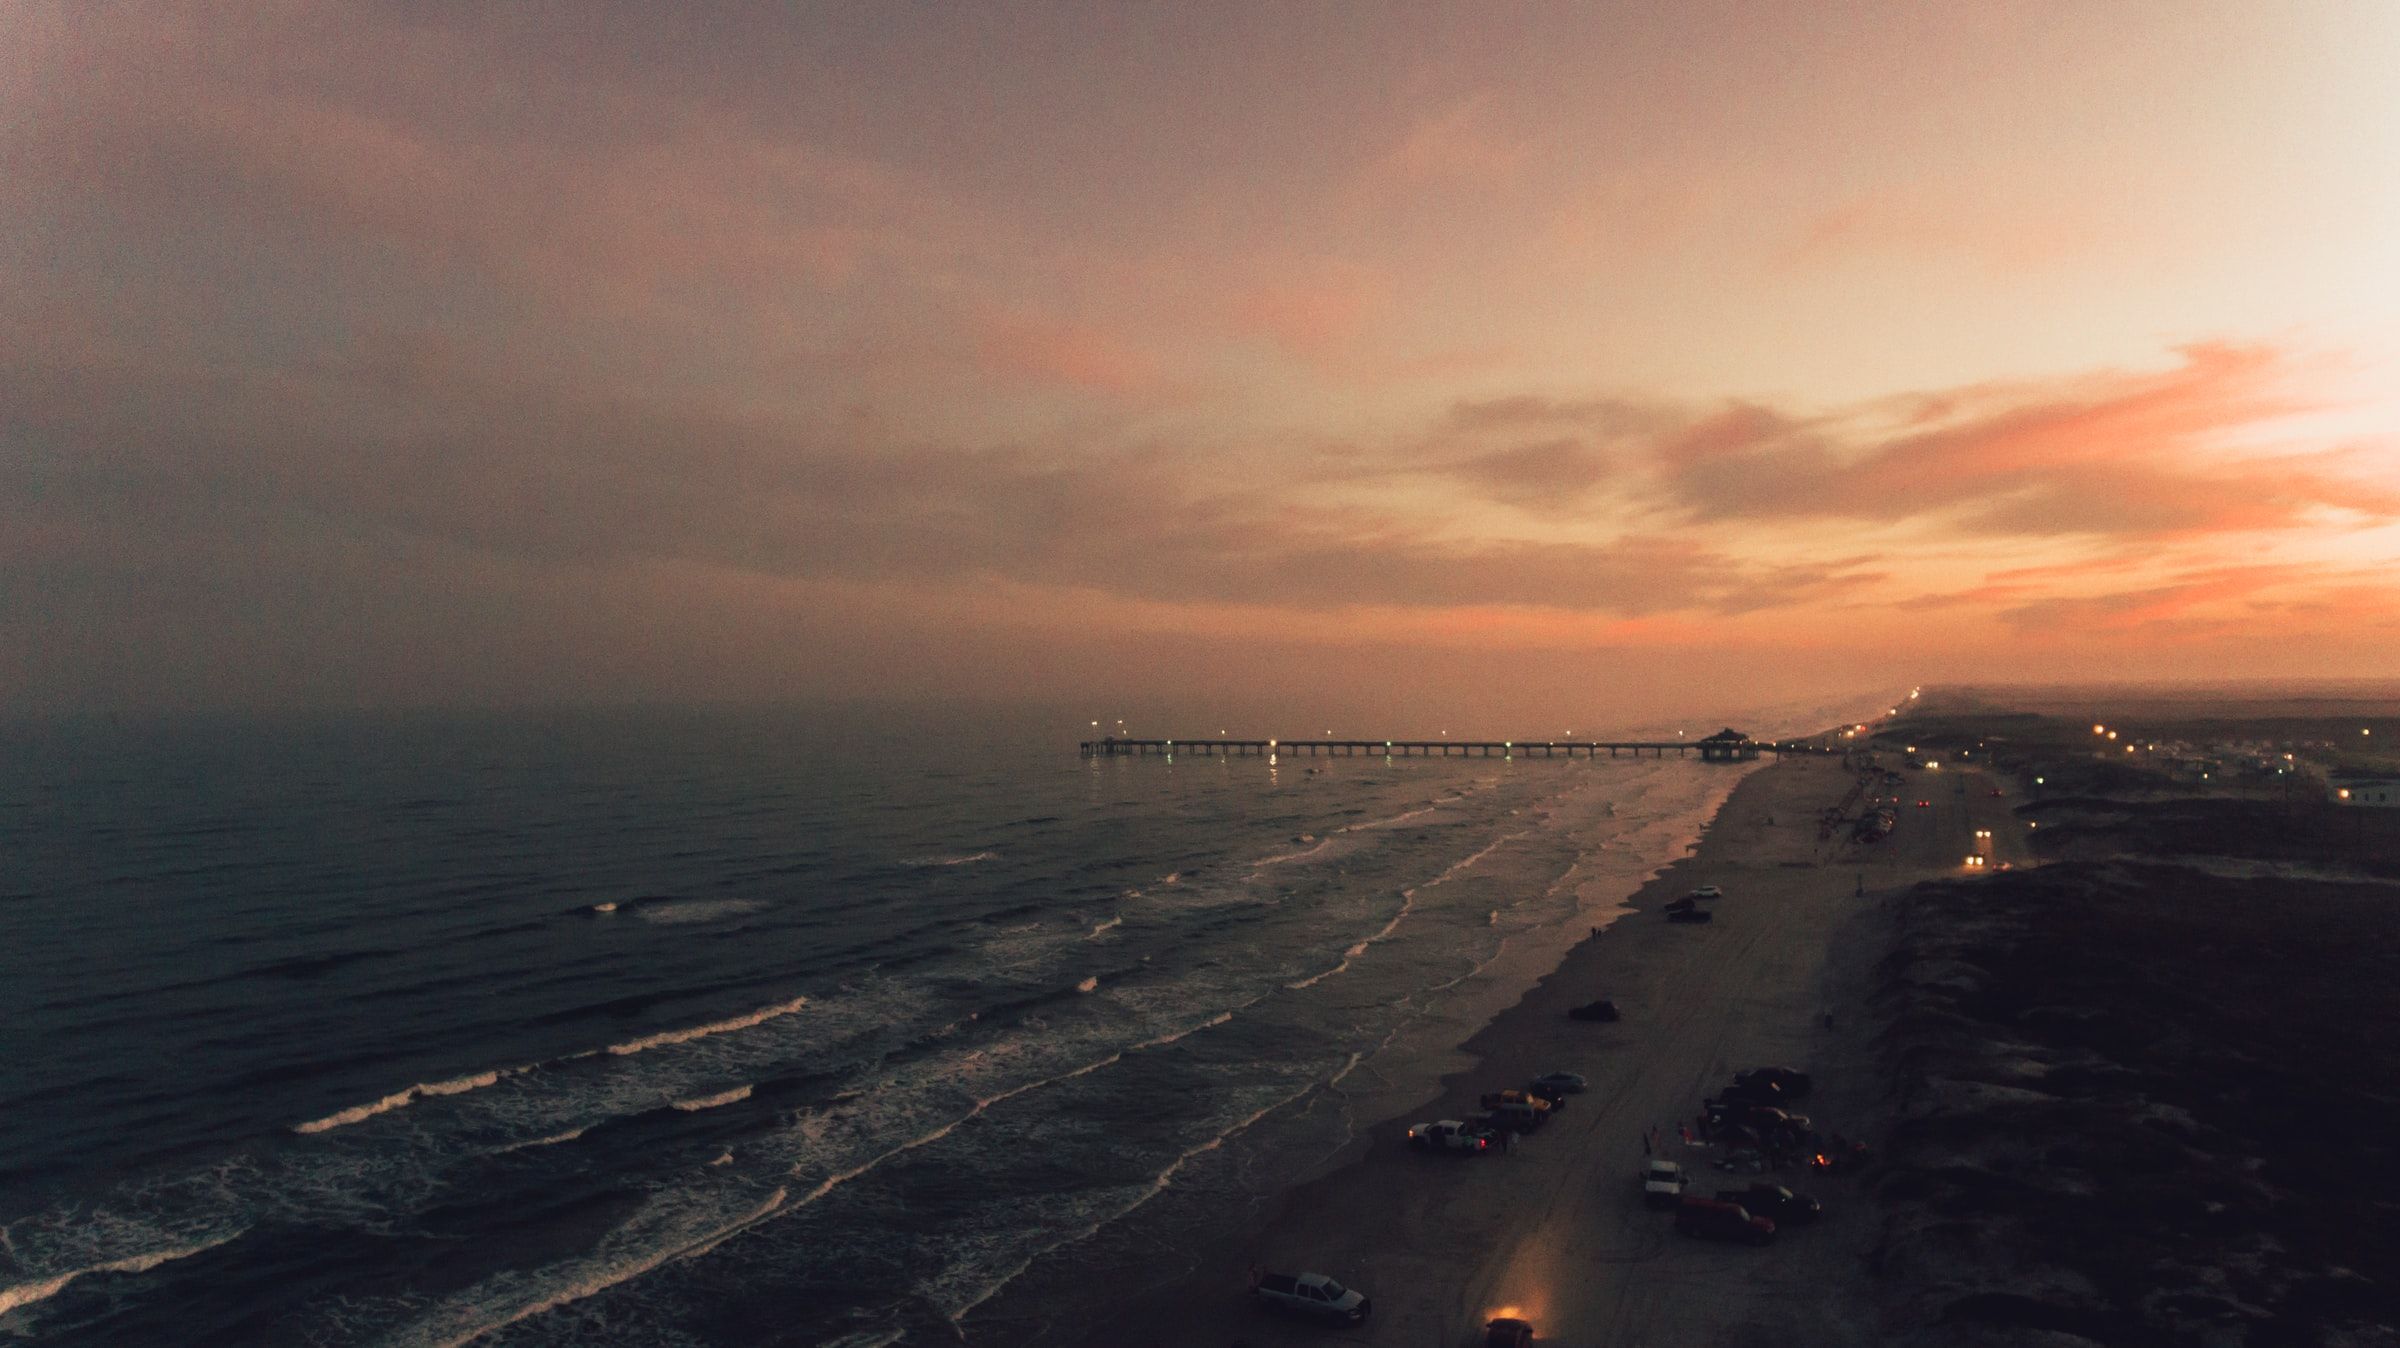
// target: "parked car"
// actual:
[[1599, 1010], [1570, 1082], [1775, 1203], [1769, 1118], [1556, 1095], [1683, 905], [1662, 1183], [1495, 1099], [1508, 1332], [1689, 915], [1754, 1091], [1793, 1083], [1312, 1294], [1716, 1220], [1518, 1116], [1451, 1135], [1708, 892]]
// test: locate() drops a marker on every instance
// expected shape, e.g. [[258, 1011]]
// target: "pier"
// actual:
[[1723, 747]]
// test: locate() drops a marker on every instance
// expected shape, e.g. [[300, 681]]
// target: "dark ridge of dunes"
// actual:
[[2140, 1103]]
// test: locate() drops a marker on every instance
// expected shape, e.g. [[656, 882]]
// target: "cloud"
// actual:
[[1464, 144], [1082, 355], [2108, 454], [2005, 236]]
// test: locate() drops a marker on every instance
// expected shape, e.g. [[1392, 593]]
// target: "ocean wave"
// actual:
[[1313, 979], [551, 1141], [1105, 925], [734, 1096], [683, 1036], [684, 911], [1394, 822], [968, 859], [27, 1293], [402, 1099], [597, 1275], [1159, 1184], [1089, 985]]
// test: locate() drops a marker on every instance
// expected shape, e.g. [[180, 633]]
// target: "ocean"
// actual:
[[831, 1026]]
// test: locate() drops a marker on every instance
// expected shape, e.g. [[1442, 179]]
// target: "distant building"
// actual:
[[1728, 746], [2369, 792]]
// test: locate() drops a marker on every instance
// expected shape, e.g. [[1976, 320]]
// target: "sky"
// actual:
[[1398, 365]]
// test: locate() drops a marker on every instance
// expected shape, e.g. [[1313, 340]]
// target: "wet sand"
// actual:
[[1555, 1230]]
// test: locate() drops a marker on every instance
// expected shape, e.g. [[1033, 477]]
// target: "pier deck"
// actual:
[[1712, 749]]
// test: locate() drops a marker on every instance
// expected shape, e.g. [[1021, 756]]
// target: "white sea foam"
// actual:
[[1313, 979], [734, 1096], [592, 1276], [1158, 1184], [27, 1293], [551, 1141], [402, 1099], [1394, 822], [688, 911], [1105, 925], [1089, 985], [685, 1036], [604, 908], [968, 859]]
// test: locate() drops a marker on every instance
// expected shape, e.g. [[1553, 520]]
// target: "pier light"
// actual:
[[2099, 729], [2344, 793], [2112, 734], [2363, 730]]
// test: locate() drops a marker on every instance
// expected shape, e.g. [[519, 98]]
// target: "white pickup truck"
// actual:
[[1662, 1184], [1312, 1294], [1451, 1135]]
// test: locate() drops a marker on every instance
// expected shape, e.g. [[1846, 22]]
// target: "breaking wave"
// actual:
[[402, 1099], [685, 1036], [734, 1096], [27, 1293]]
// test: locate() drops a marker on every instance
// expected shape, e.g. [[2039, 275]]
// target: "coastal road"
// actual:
[[1556, 1231]]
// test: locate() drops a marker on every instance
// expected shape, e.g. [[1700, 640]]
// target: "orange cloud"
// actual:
[[2004, 236], [2111, 454], [1080, 355]]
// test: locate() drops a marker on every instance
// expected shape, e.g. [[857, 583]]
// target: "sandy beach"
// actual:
[[1555, 1230]]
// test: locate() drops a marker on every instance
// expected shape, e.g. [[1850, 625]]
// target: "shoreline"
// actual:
[[1442, 1242]]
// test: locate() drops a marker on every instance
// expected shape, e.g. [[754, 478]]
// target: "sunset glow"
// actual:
[[1497, 367]]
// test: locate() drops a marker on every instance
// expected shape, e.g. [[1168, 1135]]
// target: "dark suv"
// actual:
[[1775, 1203]]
